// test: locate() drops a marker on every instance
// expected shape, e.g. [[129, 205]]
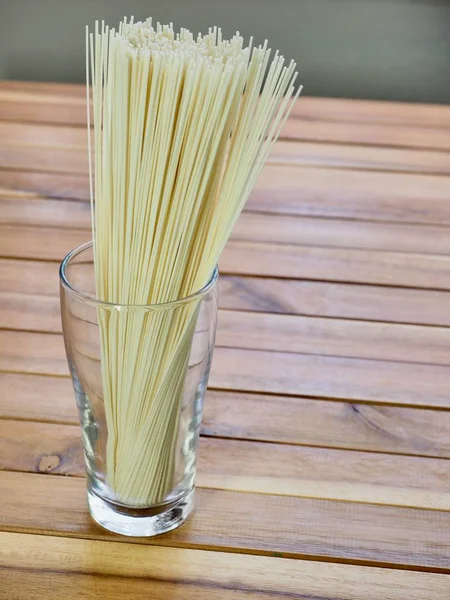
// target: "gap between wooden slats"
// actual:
[[334, 109], [266, 418], [237, 369], [255, 227], [281, 189], [248, 523], [28, 562], [263, 468], [271, 332], [29, 298], [313, 236], [73, 159], [296, 129], [343, 265]]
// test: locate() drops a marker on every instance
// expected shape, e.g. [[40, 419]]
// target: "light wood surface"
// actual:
[[179, 573], [323, 469], [262, 468]]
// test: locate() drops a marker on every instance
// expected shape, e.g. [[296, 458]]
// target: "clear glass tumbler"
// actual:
[[140, 375]]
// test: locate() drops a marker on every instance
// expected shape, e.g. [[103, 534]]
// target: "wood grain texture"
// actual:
[[334, 337], [261, 331], [284, 419], [20, 134], [356, 157], [315, 298], [331, 377], [283, 189], [37, 398], [30, 312], [31, 184], [261, 468], [340, 193], [266, 331], [323, 438], [42, 87], [29, 562], [255, 227], [312, 422], [42, 106], [267, 371], [299, 129], [349, 265], [249, 523], [73, 159], [372, 111], [25, 282], [374, 134], [313, 109], [313, 118]]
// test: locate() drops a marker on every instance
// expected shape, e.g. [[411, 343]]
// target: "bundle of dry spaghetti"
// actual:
[[182, 128]]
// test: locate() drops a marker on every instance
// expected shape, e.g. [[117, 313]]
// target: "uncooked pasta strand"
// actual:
[[181, 129]]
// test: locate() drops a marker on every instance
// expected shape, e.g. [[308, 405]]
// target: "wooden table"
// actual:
[[323, 469]]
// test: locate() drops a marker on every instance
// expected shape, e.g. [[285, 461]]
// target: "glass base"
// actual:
[[137, 522]]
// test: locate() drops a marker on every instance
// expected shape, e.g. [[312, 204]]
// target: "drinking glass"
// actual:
[[140, 375]]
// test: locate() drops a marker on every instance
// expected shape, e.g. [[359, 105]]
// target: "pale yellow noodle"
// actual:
[[182, 128]]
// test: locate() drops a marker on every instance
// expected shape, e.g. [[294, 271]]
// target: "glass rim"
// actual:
[[88, 299]]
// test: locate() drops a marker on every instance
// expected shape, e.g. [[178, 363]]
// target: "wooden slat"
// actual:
[[334, 337], [316, 298], [266, 331], [333, 233], [41, 312], [30, 312], [313, 109], [334, 264], [321, 119], [28, 563], [39, 242], [19, 134], [300, 129], [37, 397], [29, 277], [267, 418], [372, 111], [51, 185], [42, 106], [45, 158], [262, 468], [263, 259], [347, 194], [255, 331], [359, 157], [62, 159], [38, 110], [314, 422], [41, 87], [270, 372], [324, 474], [332, 377], [45, 212], [38, 353], [285, 419], [250, 523], [255, 227], [373, 134], [24, 283], [303, 191]]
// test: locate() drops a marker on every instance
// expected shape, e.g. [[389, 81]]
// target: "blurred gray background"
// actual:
[[385, 49]]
